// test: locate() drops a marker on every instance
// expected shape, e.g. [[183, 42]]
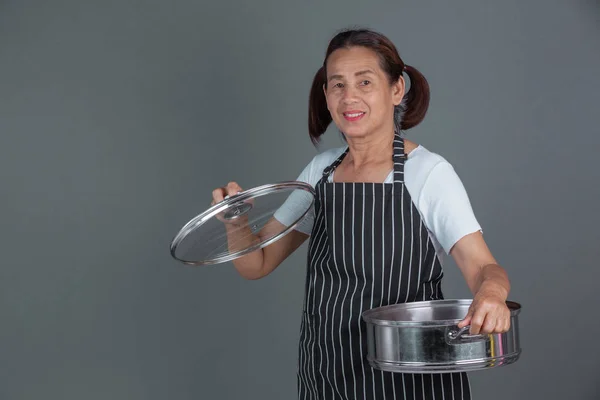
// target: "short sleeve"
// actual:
[[446, 207], [297, 202]]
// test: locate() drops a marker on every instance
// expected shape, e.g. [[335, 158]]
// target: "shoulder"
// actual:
[[424, 157], [421, 163], [314, 169]]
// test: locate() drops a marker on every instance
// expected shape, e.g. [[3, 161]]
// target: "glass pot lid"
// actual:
[[243, 223]]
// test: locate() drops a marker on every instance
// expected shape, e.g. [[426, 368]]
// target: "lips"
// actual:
[[353, 115]]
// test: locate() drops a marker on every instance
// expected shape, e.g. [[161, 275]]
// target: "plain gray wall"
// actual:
[[117, 119]]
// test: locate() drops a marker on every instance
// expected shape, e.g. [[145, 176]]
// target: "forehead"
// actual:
[[347, 61]]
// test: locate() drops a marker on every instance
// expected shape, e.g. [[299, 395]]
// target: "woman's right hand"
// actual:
[[219, 194]]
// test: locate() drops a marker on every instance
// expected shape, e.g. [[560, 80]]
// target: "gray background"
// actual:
[[117, 119]]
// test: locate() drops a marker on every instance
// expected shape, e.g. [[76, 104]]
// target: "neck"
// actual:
[[370, 149]]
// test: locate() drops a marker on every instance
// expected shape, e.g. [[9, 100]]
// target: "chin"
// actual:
[[354, 132]]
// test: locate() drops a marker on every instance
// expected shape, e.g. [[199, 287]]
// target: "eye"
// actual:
[[338, 85], [365, 82]]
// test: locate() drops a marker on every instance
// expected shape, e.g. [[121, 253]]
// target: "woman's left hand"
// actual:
[[488, 312]]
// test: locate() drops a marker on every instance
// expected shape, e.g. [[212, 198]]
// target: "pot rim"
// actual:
[[370, 316]]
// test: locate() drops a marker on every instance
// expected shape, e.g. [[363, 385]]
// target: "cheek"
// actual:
[[376, 103], [383, 103], [331, 104]]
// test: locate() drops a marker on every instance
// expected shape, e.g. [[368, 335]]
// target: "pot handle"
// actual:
[[461, 336]]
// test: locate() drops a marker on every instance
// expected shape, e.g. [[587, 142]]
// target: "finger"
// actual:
[[477, 322], [467, 319], [502, 321], [506, 323], [489, 324], [500, 326], [464, 322], [218, 195], [232, 188]]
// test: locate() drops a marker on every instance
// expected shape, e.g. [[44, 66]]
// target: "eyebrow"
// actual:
[[363, 72]]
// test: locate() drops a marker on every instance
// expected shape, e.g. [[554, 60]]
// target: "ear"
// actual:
[[398, 91]]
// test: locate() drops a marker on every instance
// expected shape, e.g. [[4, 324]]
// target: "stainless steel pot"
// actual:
[[423, 337]]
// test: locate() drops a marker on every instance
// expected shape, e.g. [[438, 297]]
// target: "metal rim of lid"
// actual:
[[232, 200]]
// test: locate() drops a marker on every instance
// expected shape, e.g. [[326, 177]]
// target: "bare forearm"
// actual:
[[263, 261], [250, 265]]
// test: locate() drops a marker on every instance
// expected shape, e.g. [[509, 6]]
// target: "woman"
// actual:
[[385, 211]]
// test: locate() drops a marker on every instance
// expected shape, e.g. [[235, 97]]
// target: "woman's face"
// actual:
[[359, 95]]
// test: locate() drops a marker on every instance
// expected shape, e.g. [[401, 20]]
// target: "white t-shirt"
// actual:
[[431, 181]]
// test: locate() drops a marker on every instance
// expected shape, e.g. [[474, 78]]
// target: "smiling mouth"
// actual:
[[353, 115]]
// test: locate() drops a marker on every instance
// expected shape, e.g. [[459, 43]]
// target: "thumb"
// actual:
[[466, 320]]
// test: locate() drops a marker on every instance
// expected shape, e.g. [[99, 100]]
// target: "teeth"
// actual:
[[354, 115]]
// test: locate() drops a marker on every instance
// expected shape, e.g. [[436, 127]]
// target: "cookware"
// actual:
[[240, 224], [423, 337]]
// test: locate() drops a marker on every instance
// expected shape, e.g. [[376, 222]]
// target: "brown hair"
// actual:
[[414, 105]]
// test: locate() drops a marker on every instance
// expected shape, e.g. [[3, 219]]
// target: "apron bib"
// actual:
[[368, 248]]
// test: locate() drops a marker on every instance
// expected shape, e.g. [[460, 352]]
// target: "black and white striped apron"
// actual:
[[368, 248]]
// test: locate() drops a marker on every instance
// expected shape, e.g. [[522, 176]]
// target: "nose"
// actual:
[[350, 95]]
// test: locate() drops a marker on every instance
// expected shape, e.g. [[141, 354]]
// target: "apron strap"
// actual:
[[399, 158], [334, 164]]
